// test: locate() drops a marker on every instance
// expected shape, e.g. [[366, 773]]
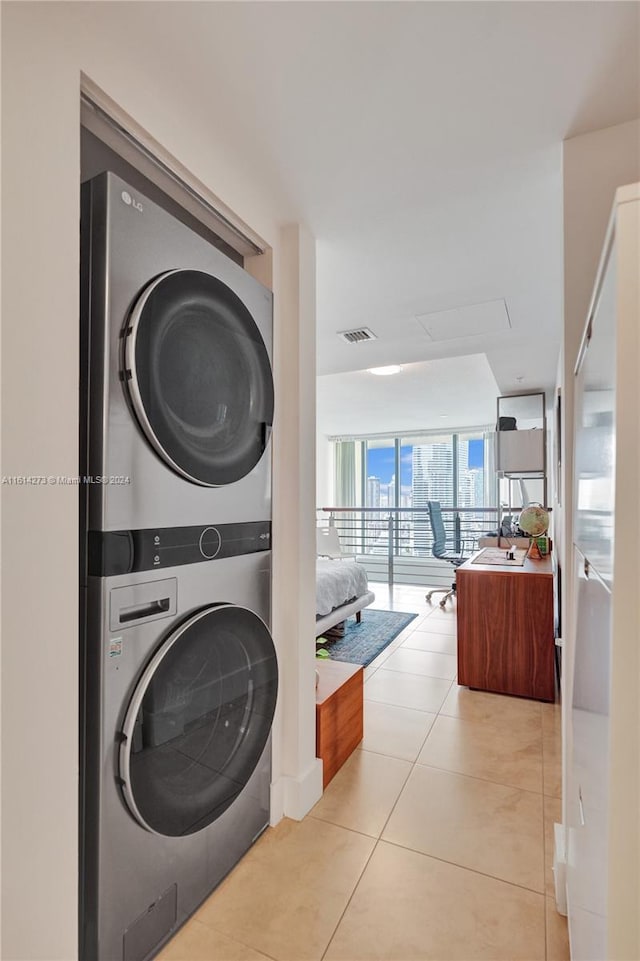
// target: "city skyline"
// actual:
[[381, 460], [427, 474]]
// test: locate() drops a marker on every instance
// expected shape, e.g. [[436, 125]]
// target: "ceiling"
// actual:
[[421, 143], [452, 393]]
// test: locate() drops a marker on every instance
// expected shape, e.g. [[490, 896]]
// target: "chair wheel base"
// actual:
[[447, 591]]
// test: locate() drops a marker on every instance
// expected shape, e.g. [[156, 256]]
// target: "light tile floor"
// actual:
[[433, 842]]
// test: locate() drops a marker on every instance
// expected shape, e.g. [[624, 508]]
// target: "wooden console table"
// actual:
[[339, 714], [505, 628]]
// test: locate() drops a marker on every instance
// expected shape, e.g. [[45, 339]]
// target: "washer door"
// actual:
[[199, 377], [199, 720]]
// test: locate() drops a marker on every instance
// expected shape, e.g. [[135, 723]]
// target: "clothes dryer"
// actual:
[[177, 388]]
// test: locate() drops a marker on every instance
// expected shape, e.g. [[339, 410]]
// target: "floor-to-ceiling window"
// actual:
[[399, 474]]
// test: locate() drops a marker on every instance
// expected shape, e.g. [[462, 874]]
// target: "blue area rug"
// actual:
[[363, 642]]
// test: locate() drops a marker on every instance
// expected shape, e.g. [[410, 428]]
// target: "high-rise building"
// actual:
[[470, 492], [432, 480], [373, 492]]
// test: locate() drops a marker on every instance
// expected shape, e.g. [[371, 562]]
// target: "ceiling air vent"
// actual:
[[357, 336]]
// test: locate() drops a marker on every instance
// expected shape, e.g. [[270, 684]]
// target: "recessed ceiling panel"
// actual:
[[490, 317]]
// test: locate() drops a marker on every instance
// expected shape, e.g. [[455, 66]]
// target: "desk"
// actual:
[[505, 628]]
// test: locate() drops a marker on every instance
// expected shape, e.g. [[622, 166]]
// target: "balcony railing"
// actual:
[[396, 543]]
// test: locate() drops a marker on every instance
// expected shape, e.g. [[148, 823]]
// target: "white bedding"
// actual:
[[338, 582]]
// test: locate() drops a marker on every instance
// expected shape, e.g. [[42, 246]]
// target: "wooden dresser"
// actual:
[[505, 628], [339, 713]]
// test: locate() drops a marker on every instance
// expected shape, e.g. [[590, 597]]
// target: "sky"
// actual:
[[381, 461]]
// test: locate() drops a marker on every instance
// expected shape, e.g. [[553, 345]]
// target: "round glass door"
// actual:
[[199, 377], [199, 720]]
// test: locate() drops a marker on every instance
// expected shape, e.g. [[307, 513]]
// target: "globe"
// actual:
[[534, 520]]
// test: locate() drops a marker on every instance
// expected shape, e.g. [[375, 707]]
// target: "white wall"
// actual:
[[298, 774], [594, 165], [44, 49]]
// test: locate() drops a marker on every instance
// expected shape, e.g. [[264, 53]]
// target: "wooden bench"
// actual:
[[339, 714]]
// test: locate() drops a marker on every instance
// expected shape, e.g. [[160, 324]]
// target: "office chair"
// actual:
[[440, 551]]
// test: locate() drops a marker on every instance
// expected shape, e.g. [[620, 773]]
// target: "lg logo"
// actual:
[[131, 201]]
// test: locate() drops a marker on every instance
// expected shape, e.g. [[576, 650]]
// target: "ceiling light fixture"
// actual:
[[385, 371]]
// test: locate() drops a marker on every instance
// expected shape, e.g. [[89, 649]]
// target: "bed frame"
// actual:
[[341, 613], [328, 545]]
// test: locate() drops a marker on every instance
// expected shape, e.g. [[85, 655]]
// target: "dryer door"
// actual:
[[199, 720], [199, 377]]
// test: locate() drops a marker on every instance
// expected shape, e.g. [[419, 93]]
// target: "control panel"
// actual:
[[123, 552]]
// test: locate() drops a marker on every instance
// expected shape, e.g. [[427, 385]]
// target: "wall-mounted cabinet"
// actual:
[[521, 448], [520, 451]]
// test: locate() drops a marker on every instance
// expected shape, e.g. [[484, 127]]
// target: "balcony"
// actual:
[[395, 544]]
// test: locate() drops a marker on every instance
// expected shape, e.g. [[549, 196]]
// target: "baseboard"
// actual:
[[293, 797], [560, 868]]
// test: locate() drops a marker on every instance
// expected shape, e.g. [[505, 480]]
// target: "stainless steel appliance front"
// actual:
[[177, 350], [178, 670], [177, 745]]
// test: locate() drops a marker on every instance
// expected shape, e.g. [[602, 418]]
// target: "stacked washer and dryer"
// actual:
[[178, 668]]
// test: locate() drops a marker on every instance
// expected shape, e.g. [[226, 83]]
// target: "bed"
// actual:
[[341, 590]]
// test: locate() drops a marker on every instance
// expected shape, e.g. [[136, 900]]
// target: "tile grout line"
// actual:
[[377, 842], [394, 757], [395, 670], [413, 765], [535, 793], [374, 700], [546, 944], [475, 777], [351, 896], [464, 867], [404, 847], [544, 836], [486, 780], [343, 827], [404, 784], [213, 927]]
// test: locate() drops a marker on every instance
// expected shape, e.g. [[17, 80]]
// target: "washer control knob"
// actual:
[[210, 542]]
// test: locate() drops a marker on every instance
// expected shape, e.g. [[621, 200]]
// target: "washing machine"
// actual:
[[176, 371], [178, 699], [178, 677]]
